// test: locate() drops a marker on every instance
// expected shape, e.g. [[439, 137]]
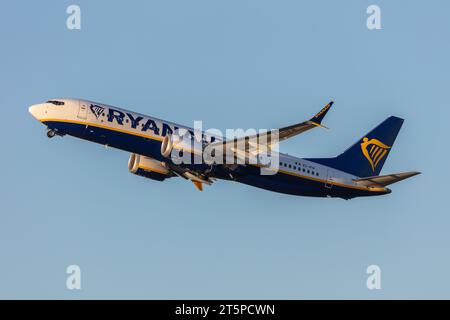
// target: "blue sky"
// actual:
[[232, 64]]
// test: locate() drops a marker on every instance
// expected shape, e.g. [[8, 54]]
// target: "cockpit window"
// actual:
[[56, 102]]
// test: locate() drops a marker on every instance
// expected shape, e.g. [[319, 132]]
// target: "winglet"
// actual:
[[317, 119]]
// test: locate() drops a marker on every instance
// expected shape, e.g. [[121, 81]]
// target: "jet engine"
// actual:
[[148, 167], [167, 146], [186, 147]]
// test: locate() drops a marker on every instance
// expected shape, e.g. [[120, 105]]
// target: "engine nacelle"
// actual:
[[148, 167], [181, 148], [167, 146]]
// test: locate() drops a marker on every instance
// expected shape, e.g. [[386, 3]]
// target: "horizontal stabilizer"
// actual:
[[382, 181]]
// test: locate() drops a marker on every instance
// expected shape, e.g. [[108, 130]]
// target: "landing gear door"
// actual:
[[83, 110], [328, 183]]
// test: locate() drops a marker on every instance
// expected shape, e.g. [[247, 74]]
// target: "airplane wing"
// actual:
[[316, 121], [255, 144], [247, 147], [386, 180]]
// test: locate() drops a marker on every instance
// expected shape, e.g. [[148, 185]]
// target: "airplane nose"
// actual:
[[34, 110]]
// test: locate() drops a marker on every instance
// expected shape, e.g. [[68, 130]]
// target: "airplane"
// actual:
[[354, 173]]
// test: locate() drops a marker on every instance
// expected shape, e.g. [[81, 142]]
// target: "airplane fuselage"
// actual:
[[143, 135]]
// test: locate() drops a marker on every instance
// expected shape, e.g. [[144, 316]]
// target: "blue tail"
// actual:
[[366, 157]]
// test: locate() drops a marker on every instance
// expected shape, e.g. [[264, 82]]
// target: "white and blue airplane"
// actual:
[[354, 173]]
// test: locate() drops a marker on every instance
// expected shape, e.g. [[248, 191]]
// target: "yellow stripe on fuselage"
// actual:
[[104, 127]]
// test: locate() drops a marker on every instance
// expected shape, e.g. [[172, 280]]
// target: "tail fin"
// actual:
[[366, 157]]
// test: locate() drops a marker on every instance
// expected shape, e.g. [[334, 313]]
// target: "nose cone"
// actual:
[[32, 110], [36, 111]]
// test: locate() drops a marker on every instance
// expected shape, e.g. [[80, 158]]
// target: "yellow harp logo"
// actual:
[[374, 150]]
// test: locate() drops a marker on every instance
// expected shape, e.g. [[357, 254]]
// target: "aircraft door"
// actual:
[[328, 184], [83, 110]]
